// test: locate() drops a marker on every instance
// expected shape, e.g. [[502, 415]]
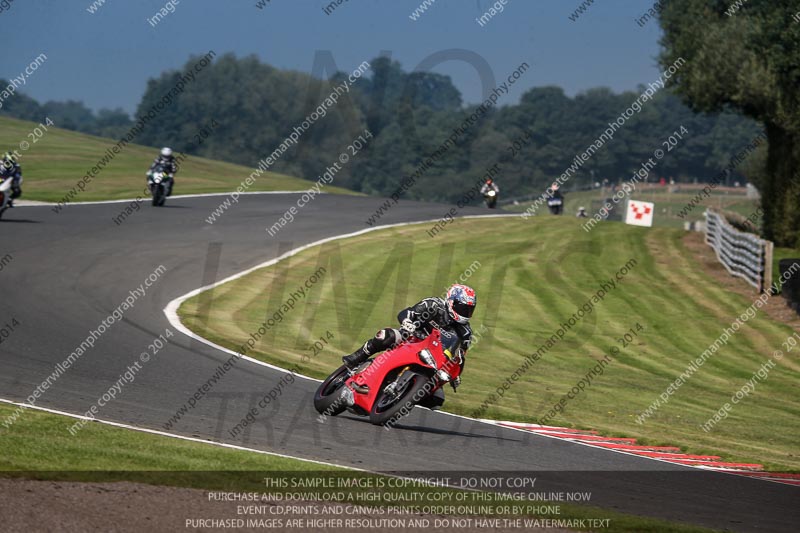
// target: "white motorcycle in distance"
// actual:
[[5, 195], [490, 198], [159, 182]]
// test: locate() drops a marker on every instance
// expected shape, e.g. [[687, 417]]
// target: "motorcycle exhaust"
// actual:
[[361, 389]]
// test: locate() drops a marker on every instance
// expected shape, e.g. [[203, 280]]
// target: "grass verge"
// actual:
[[669, 202]]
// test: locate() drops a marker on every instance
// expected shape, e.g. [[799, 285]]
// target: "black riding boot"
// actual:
[[16, 192], [354, 359]]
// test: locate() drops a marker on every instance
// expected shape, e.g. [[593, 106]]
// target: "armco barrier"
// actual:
[[743, 254]]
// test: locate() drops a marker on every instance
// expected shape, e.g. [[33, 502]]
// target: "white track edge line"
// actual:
[[336, 465], [198, 195]]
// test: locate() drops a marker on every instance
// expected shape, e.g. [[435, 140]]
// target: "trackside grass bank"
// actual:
[[632, 297], [671, 202]]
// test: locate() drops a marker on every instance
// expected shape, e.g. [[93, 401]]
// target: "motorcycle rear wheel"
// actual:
[[387, 408]]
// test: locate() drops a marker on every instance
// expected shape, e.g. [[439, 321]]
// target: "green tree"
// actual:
[[113, 123], [20, 106], [748, 61]]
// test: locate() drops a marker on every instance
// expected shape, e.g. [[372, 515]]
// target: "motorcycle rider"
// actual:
[[10, 169], [450, 315], [490, 185], [167, 162], [555, 195]]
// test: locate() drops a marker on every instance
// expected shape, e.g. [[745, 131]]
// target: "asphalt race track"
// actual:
[[70, 270]]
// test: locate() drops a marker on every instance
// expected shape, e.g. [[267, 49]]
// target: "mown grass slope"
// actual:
[[59, 159]]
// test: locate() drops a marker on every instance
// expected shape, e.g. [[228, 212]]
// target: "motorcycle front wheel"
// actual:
[[390, 407], [158, 195], [327, 398]]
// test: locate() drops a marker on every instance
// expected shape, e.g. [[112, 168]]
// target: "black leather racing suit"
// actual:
[[169, 164], [427, 314]]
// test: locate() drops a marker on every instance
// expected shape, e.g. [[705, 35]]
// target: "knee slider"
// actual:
[[387, 338], [383, 340]]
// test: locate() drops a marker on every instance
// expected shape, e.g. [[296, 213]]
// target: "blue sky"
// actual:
[[105, 58]]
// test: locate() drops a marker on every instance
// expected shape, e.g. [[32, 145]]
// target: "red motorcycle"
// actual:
[[388, 386]]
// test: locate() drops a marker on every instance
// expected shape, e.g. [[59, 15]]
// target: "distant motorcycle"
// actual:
[[491, 199], [556, 205], [5, 195], [388, 386], [159, 183]]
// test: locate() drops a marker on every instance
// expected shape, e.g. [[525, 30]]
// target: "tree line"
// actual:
[[411, 115]]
